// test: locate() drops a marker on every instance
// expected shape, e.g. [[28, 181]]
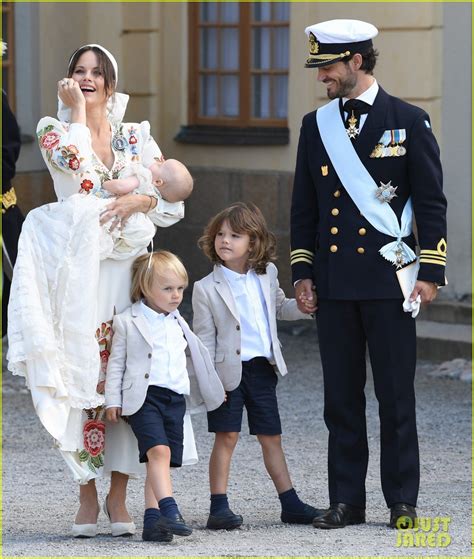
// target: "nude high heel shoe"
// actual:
[[123, 529], [84, 530]]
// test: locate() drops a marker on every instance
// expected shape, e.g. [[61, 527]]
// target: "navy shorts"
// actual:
[[257, 392], [160, 422]]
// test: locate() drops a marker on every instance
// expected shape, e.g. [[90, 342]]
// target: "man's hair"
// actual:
[[369, 60], [147, 266], [242, 218], [104, 64]]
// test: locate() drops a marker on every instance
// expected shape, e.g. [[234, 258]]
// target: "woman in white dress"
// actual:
[[65, 297]]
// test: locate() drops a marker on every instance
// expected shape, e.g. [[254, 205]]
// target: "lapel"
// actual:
[[222, 287], [140, 321], [264, 280], [373, 126], [194, 346]]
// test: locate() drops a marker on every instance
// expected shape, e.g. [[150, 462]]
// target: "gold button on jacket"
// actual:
[[337, 193], [334, 230], [362, 231], [333, 248], [335, 211], [361, 250]]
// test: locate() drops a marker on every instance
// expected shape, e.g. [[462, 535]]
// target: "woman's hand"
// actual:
[[113, 414], [123, 207], [71, 95]]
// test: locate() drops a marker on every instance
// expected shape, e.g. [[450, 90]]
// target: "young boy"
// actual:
[[148, 381]]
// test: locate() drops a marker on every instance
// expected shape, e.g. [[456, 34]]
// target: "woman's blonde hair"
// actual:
[[242, 218], [147, 266]]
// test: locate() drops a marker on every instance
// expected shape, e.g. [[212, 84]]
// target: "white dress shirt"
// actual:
[[168, 361], [368, 96], [254, 327]]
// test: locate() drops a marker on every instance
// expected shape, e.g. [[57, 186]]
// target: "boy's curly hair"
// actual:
[[242, 218]]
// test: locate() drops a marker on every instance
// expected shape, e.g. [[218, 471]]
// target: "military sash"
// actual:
[[362, 188]]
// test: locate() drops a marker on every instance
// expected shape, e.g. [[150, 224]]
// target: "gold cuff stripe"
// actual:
[[301, 251], [432, 261], [301, 259], [9, 198], [433, 252], [434, 257]]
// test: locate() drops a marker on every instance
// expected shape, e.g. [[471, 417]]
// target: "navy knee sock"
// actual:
[[168, 507], [290, 502], [219, 503], [151, 516]]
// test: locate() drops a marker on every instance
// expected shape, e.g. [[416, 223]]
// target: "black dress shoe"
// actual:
[[174, 524], [340, 515], [402, 516], [224, 520], [156, 534], [306, 516]]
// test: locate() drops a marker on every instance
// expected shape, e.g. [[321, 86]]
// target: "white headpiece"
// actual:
[[116, 104]]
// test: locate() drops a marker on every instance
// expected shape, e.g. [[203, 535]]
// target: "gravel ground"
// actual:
[[40, 500]]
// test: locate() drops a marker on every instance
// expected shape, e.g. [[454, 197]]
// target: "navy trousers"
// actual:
[[345, 330]]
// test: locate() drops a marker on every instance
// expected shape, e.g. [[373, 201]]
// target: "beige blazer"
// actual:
[[128, 369], [217, 321]]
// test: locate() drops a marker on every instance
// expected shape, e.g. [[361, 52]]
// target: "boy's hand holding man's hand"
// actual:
[[305, 295], [113, 414]]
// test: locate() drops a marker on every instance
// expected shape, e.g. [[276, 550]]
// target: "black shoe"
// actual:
[[306, 516], [224, 520], [174, 524], [402, 516], [340, 515], [156, 534]]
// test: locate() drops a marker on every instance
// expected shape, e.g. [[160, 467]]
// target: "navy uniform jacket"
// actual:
[[340, 252], [12, 218]]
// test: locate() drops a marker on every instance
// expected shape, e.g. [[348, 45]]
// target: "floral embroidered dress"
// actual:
[[64, 297]]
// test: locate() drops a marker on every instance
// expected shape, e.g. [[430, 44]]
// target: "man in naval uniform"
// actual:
[[366, 163]]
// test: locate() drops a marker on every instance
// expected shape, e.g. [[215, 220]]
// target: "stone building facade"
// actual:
[[425, 58]]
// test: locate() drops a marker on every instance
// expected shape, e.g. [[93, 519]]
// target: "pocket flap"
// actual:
[[219, 357]]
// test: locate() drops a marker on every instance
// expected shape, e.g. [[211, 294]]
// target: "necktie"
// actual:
[[354, 108]]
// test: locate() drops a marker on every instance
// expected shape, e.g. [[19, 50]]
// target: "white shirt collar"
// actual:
[[233, 276], [368, 96], [152, 315]]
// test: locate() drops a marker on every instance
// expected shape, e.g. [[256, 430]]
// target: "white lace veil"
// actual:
[[117, 102]]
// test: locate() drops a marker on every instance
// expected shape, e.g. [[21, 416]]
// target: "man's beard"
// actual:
[[346, 85]]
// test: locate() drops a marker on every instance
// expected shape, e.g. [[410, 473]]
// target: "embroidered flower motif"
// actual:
[[50, 140], [104, 338], [73, 149], [94, 437], [93, 433], [74, 163], [104, 359], [132, 140], [86, 185]]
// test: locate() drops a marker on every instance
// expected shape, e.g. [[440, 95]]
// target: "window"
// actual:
[[238, 71], [8, 78]]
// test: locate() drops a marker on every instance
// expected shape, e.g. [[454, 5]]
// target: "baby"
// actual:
[[173, 182]]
